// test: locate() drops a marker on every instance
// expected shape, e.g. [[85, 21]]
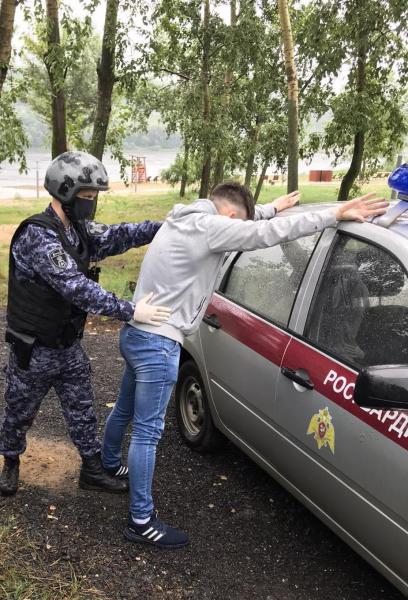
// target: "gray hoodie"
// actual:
[[183, 261]]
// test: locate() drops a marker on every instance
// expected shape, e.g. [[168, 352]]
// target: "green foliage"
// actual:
[[13, 139], [368, 38], [177, 56], [79, 82], [246, 101], [174, 173]]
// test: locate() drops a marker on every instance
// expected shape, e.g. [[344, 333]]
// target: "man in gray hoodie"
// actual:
[[181, 268]]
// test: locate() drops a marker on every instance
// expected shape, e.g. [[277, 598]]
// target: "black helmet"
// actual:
[[73, 171]]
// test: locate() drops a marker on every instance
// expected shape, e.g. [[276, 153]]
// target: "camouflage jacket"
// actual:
[[36, 249]]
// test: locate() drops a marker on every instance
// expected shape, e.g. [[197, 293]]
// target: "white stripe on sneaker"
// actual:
[[147, 531], [121, 471], [158, 537], [155, 532]]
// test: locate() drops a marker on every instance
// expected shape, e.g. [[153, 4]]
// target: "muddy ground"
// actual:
[[249, 538]]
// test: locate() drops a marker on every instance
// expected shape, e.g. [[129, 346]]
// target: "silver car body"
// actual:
[[348, 465]]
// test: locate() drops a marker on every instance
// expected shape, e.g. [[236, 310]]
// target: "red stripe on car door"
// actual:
[[331, 379], [265, 339], [336, 382]]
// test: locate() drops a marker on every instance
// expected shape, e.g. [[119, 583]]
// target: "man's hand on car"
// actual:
[[150, 314], [361, 209], [286, 201]]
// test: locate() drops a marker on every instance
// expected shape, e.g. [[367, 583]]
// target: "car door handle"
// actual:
[[291, 374], [212, 321]]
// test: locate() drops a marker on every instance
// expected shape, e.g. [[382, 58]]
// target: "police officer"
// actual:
[[51, 290]]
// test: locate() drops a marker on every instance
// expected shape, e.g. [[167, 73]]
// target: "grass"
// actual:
[[25, 575], [118, 271]]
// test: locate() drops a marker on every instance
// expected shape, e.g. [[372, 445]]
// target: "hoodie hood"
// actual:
[[198, 206]]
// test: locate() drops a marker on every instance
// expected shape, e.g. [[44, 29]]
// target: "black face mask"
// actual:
[[80, 209]]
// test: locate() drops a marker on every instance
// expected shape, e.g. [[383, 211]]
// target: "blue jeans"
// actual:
[[150, 374]]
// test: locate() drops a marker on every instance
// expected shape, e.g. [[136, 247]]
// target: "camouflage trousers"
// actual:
[[66, 370]]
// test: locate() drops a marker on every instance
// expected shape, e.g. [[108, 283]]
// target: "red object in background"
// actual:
[[322, 175], [326, 175], [314, 175], [138, 169]]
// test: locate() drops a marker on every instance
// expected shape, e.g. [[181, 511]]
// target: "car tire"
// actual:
[[193, 412]]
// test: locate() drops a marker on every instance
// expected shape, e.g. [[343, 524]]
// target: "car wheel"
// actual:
[[193, 412]]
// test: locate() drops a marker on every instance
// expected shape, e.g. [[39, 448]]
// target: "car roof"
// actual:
[[400, 225]]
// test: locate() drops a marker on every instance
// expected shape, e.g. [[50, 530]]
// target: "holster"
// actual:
[[22, 346]]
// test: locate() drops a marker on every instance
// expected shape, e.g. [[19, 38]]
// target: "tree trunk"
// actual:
[[52, 61], [359, 137], [293, 96], [354, 168], [7, 14], [260, 182], [363, 171], [253, 140], [106, 80], [205, 178], [219, 168], [206, 170], [226, 98], [184, 175], [249, 169]]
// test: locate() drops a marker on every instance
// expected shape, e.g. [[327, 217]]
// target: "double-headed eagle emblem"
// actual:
[[322, 427]]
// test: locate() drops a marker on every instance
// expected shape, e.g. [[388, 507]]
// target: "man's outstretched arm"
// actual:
[[268, 211], [225, 234]]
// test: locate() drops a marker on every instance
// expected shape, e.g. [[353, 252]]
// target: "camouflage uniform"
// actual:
[[39, 256]]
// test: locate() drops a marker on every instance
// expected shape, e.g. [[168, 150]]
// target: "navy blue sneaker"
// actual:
[[156, 533], [121, 472]]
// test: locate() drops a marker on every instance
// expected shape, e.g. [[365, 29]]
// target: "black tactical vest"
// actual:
[[35, 308]]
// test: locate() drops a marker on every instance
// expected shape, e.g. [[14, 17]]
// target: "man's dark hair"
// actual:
[[237, 194]]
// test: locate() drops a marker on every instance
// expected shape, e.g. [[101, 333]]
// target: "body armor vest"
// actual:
[[34, 307]]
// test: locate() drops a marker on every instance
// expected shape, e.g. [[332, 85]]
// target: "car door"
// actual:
[[244, 336], [350, 462]]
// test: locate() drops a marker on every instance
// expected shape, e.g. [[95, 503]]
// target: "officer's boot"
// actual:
[[9, 476], [94, 477]]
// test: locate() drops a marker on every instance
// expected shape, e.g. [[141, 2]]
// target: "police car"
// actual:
[[302, 361]]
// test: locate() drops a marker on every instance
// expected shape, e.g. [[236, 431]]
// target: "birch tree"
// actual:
[[293, 95]]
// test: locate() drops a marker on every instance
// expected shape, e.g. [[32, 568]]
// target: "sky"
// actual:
[[78, 9]]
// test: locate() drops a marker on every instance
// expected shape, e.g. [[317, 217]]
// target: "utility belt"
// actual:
[[22, 344]]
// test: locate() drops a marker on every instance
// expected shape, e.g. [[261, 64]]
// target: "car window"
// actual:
[[266, 281], [360, 309]]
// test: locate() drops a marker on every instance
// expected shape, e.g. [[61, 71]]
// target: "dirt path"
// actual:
[[249, 538]]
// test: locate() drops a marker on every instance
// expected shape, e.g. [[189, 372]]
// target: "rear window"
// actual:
[[266, 281]]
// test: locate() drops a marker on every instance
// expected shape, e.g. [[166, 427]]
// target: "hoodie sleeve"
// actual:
[[264, 211], [225, 234]]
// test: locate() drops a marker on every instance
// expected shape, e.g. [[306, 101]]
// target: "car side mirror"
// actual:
[[383, 386]]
